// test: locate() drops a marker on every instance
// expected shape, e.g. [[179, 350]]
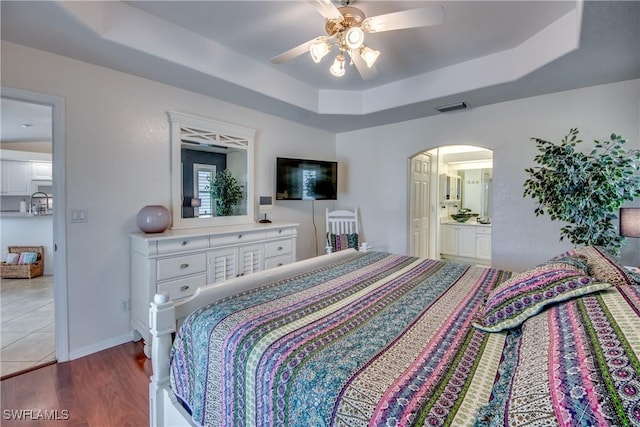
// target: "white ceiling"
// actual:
[[24, 122], [484, 52]]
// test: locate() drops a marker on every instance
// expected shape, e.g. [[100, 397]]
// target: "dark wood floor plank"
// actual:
[[109, 388]]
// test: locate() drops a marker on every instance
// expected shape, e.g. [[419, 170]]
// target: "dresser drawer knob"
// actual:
[[239, 236], [185, 242], [280, 248], [279, 231], [280, 264], [184, 288], [185, 265]]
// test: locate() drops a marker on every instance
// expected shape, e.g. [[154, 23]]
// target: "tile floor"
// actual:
[[27, 337]]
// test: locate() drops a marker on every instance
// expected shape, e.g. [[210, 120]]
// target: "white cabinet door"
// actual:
[[16, 178], [223, 264], [250, 259], [41, 171], [449, 244], [483, 243], [467, 241]]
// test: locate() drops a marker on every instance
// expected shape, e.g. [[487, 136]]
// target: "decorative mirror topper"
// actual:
[[201, 149]]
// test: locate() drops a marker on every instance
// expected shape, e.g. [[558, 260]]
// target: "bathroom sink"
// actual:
[[462, 217]]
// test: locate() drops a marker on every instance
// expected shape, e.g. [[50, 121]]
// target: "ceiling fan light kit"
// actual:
[[345, 27]]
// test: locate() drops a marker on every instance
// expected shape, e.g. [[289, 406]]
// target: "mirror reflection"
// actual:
[[213, 180], [211, 172], [477, 185]]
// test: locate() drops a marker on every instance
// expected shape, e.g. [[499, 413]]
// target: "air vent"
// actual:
[[452, 107]]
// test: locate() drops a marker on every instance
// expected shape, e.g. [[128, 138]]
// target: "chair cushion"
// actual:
[[343, 241]]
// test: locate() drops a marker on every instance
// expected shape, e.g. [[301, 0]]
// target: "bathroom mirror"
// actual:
[[477, 187], [202, 151]]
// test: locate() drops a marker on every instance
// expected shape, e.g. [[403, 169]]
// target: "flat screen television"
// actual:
[[300, 179]]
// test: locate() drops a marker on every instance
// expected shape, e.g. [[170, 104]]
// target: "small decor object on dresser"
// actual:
[[153, 219]]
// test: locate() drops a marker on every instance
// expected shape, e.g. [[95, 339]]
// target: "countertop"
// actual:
[[471, 221], [16, 214]]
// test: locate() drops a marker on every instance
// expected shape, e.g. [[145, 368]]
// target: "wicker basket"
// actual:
[[23, 271]]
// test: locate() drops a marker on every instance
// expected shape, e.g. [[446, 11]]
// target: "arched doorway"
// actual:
[[442, 181]]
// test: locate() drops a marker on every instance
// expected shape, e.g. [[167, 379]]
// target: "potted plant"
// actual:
[[584, 190], [227, 191]]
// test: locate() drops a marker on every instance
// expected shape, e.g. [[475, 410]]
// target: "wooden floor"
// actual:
[[109, 388]]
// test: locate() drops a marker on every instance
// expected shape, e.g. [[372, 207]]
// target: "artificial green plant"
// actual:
[[584, 190], [227, 191]]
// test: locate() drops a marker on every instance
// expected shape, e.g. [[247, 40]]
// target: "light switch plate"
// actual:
[[78, 215]]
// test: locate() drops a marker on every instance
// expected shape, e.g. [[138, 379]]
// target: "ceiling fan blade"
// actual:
[[327, 9], [296, 51], [365, 72], [423, 17]]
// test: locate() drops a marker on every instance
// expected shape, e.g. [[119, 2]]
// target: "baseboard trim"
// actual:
[[99, 346]]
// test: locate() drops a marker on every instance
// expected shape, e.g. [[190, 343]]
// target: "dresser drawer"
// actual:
[[169, 268], [277, 261], [181, 245], [280, 232], [235, 238], [183, 288], [272, 249]]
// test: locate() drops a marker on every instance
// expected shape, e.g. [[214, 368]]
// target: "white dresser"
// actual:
[[180, 261]]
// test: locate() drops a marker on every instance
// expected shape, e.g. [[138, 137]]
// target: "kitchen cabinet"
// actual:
[[41, 171], [178, 262], [15, 178], [465, 241]]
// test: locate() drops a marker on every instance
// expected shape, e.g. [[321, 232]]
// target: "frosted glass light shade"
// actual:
[[337, 69], [354, 37], [153, 219], [318, 51], [630, 222], [369, 56]]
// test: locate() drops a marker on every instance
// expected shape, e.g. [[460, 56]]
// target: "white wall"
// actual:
[[118, 159], [376, 160]]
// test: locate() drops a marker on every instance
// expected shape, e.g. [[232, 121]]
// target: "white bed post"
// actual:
[[163, 323]]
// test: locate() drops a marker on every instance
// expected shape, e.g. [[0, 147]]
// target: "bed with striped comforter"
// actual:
[[382, 339]]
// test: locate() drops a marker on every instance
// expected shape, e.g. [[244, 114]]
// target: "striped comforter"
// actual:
[[380, 339], [575, 364], [375, 339]]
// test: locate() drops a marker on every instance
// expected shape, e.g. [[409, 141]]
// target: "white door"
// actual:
[[420, 205]]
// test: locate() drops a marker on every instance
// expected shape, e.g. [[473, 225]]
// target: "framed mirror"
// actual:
[[211, 172]]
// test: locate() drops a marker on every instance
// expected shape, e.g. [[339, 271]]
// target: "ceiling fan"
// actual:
[[346, 26]]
